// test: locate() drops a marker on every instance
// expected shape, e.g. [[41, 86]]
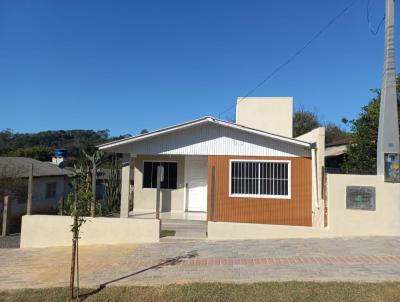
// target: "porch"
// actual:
[[184, 225], [165, 216], [183, 187]]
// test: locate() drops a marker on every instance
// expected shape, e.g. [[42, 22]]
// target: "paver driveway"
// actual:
[[364, 259]]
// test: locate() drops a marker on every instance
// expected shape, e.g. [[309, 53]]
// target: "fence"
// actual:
[[10, 221], [331, 170]]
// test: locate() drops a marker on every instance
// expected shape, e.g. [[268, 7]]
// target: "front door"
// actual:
[[196, 169]]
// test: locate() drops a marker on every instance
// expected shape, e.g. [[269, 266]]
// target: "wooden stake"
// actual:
[[61, 205], [30, 188], [93, 203], [74, 236], [158, 192], [72, 275], [6, 216], [212, 214]]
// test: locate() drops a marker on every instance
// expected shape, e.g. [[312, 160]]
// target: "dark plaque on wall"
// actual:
[[360, 198]]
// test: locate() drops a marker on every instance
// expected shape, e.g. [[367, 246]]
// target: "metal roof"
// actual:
[[335, 150], [198, 122], [20, 166]]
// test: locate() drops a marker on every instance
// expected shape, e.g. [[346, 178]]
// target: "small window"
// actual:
[[51, 189], [150, 175], [260, 178]]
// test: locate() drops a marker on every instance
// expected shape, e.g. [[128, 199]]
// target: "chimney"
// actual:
[[269, 114]]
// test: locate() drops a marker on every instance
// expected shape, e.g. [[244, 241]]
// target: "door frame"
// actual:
[[185, 178]]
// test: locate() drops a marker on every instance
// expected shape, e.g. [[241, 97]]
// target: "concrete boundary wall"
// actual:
[[46, 231], [342, 222], [384, 221]]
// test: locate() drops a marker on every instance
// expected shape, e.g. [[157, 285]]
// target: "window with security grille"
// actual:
[[260, 178]]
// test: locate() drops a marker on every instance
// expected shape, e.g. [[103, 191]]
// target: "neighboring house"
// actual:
[[103, 176], [49, 184], [335, 153], [262, 174]]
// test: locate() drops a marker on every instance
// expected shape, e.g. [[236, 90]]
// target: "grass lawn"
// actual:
[[270, 291], [166, 233]]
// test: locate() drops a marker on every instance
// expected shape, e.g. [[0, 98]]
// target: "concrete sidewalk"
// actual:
[[356, 259]]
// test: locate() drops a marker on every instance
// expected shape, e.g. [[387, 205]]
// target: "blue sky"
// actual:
[[129, 65]]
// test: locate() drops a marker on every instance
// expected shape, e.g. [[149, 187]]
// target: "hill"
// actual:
[[42, 144]]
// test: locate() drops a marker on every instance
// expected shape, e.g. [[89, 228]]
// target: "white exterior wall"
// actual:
[[45, 231], [127, 176], [317, 136], [384, 221], [269, 114], [210, 139]]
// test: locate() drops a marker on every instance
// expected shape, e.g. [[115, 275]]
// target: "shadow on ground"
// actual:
[[163, 263]]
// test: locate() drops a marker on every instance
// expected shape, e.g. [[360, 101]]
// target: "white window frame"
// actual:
[[159, 161], [288, 196]]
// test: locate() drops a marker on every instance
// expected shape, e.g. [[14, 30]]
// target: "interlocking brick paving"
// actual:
[[357, 259], [281, 261]]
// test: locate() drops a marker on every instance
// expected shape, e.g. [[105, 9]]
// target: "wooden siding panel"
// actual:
[[294, 211]]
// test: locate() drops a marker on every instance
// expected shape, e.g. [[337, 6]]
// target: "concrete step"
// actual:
[[180, 239], [186, 229], [183, 222]]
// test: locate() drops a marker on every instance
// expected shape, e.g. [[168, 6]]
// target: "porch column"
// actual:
[[125, 186]]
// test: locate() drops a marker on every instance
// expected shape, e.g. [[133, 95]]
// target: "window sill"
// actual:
[[162, 189], [259, 196]]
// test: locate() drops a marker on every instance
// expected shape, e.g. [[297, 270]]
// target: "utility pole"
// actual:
[[388, 134]]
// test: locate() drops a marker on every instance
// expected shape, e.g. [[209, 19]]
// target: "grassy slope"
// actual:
[[272, 291]]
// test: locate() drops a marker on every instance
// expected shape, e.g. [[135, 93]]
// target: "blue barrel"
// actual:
[[60, 153]]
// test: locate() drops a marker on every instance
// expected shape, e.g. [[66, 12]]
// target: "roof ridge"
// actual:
[[199, 121]]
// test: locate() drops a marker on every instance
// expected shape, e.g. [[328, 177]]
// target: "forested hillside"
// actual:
[[42, 144]]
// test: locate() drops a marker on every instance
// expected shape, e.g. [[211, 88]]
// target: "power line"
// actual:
[[371, 29], [294, 56]]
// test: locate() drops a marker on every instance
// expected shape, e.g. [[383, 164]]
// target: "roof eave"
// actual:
[[111, 145], [151, 134]]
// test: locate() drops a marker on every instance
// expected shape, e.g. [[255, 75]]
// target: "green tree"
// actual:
[[304, 121], [42, 144], [334, 133], [361, 153], [112, 187], [78, 201], [41, 153]]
